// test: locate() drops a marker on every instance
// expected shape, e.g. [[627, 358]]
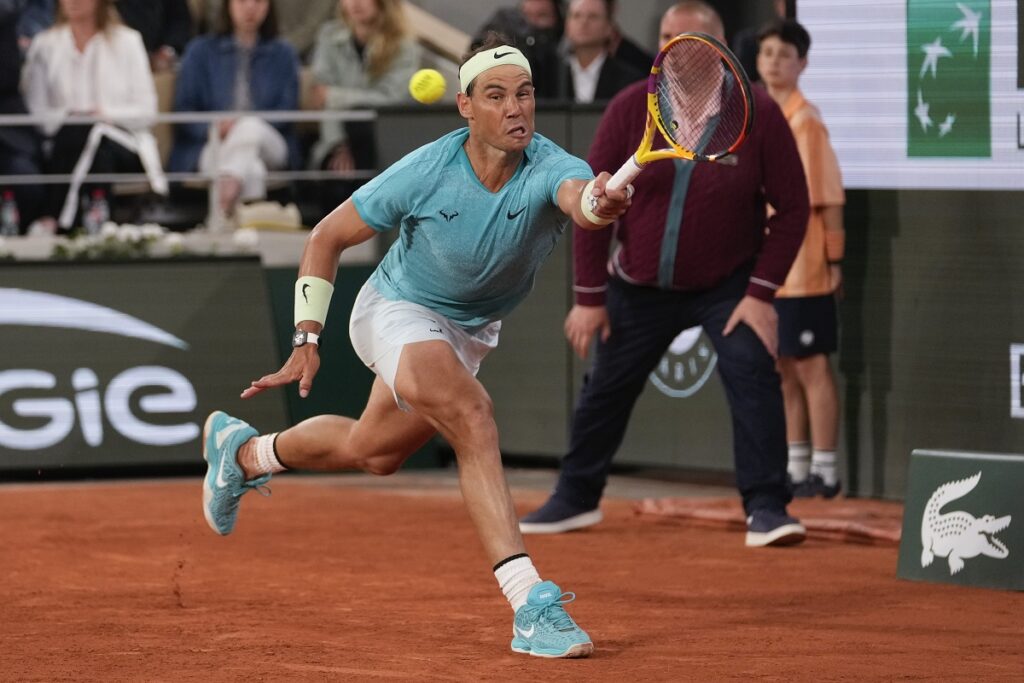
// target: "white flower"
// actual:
[[3, 243], [246, 238], [109, 229], [174, 240], [152, 231], [129, 233]]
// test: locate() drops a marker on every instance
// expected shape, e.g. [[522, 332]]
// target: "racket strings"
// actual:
[[700, 100]]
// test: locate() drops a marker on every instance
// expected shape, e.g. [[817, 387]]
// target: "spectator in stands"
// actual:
[[364, 58], [624, 49], [166, 26], [244, 67], [19, 145], [589, 72], [89, 64], [298, 21], [745, 43], [806, 303], [36, 17], [535, 27]]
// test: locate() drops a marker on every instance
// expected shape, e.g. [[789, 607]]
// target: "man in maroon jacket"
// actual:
[[694, 250]]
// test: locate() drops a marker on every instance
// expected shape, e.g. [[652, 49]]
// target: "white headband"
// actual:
[[488, 59]]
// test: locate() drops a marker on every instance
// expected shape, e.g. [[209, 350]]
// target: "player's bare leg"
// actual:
[[433, 381], [378, 442]]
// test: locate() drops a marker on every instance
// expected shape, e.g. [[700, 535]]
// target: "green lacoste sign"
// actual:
[[949, 47], [963, 520]]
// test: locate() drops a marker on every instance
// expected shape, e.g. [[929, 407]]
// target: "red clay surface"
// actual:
[[323, 581]]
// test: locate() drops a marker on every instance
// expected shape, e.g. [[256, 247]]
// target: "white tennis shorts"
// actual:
[[380, 328]]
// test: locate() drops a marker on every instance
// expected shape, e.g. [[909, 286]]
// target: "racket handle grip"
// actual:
[[624, 176]]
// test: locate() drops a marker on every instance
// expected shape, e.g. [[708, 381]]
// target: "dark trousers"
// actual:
[[644, 322], [68, 144]]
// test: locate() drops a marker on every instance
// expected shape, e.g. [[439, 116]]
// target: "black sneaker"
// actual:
[[813, 486], [770, 527], [556, 516]]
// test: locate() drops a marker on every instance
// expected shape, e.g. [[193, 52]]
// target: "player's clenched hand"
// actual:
[[760, 316], [300, 367], [582, 323], [610, 203]]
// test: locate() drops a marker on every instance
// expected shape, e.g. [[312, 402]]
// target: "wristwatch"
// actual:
[[301, 338]]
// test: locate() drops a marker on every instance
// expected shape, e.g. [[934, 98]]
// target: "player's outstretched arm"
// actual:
[[590, 205], [339, 230]]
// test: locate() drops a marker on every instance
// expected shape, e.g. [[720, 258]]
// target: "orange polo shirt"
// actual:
[[809, 274]]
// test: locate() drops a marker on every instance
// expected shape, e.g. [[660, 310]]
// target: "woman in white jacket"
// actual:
[[91, 64]]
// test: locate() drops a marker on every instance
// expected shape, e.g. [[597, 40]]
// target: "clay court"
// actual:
[[347, 578]]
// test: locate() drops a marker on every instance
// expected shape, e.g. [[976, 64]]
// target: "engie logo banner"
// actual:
[[919, 94], [120, 364]]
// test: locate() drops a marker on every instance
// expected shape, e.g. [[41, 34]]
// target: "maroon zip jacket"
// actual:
[[723, 224]]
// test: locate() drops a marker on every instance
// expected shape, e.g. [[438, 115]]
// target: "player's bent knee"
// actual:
[[383, 465]]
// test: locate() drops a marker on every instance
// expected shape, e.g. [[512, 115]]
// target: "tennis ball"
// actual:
[[427, 86]]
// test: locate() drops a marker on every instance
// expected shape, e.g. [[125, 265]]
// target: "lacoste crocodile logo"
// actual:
[[959, 535], [449, 216]]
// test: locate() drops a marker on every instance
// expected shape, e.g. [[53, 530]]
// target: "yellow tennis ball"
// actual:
[[427, 86]]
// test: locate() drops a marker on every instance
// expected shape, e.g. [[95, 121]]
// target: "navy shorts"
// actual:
[[807, 325]]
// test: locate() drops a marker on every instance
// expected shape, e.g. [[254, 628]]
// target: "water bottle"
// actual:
[[9, 217], [97, 213]]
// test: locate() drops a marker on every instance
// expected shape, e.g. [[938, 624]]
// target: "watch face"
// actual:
[[686, 365], [299, 338]]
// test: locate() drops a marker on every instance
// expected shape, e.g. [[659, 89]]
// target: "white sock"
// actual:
[[266, 456], [799, 460], [516, 576], [823, 463]]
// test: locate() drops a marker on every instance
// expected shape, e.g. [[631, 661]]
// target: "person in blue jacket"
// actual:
[[243, 68]]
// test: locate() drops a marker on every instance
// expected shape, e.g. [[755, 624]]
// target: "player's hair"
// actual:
[[390, 29], [788, 31], [711, 18], [268, 29], [106, 15], [491, 40]]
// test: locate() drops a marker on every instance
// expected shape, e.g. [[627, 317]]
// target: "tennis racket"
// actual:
[[698, 98]]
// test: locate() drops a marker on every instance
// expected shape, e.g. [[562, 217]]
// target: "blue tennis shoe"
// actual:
[[543, 628], [225, 483]]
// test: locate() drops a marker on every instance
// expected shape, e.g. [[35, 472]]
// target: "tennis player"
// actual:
[[478, 212]]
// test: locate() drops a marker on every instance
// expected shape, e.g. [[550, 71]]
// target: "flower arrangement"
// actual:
[[129, 242]]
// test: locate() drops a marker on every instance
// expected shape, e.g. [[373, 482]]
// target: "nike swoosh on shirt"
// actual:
[[513, 216]]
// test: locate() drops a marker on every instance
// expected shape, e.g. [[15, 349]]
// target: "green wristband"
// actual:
[[312, 299]]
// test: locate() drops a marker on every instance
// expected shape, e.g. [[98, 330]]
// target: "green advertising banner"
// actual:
[[118, 364], [949, 45], [963, 519]]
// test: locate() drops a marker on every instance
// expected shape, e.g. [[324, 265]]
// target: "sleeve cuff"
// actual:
[[762, 289], [590, 296]]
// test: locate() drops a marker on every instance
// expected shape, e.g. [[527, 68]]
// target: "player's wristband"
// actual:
[[312, 299], [588, 202]]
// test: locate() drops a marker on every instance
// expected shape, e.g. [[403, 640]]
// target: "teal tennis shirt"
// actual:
[[466, 252]]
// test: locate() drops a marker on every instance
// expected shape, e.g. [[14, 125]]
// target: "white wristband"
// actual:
[[588, 202], [312, 299]]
